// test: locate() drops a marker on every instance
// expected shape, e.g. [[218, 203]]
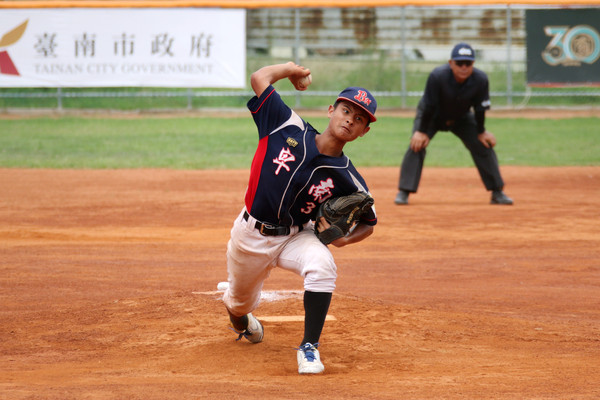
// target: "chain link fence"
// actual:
[[389, 50]]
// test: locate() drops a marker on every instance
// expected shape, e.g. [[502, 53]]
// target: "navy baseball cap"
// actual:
[[362, 98], [463, 51]]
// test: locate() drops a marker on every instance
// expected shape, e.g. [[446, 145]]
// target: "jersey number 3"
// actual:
[[309, 207]]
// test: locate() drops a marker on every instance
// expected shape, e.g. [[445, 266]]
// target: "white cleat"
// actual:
[[309, 359], [254, 332]]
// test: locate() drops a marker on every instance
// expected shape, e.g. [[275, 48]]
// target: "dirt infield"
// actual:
[[107, 280]]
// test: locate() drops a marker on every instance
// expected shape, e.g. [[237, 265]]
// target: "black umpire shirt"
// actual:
[[445, 100]]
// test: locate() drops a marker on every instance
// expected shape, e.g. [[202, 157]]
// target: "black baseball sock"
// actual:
[[316, 305], [240, 324]]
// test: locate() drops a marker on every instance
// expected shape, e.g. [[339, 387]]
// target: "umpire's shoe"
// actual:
[[402, 197], [309, 360], [254, 331], [498, 197]]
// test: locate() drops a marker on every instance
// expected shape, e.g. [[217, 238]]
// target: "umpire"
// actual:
[[451, 91]]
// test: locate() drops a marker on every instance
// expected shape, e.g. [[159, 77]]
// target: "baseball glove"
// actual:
[[342, 213]]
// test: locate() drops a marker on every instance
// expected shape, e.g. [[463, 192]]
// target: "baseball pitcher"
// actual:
[[294, 172]]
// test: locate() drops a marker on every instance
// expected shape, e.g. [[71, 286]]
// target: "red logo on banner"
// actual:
[[9, 38]]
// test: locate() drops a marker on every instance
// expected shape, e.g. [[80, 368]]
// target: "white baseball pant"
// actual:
[[251, 256]]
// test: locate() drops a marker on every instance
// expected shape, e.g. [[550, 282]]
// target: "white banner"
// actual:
[[149, 47]]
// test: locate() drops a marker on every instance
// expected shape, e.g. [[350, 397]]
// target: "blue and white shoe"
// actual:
[[254, 332], [309, 360]]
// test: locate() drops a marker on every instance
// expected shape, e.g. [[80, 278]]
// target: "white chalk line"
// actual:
[[265, 295], [274, 295]]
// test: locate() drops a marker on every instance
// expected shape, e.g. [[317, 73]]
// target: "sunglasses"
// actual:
[[464, 63]]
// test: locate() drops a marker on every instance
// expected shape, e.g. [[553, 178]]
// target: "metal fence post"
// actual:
[[59, 96], [297, 46], [508, 55], [403, 59]]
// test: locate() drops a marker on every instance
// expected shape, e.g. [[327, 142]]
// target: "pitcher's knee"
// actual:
[[320, 277]]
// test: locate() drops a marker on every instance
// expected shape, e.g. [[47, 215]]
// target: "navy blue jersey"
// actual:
[[445, 99], [289, 177]]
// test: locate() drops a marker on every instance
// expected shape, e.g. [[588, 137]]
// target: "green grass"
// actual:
[[522, 142], [221, 143]]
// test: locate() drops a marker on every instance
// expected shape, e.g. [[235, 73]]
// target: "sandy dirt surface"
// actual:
[[108, 289]]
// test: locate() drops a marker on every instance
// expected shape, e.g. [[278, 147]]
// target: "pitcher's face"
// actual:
[[348, 121]]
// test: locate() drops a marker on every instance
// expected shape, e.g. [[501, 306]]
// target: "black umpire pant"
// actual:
[[466, 129]]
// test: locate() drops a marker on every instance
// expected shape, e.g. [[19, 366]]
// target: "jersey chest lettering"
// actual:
[[285, 156], [322, 191], [319, 193]]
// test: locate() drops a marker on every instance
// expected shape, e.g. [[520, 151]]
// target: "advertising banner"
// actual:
[[128, 47], [563, 47]]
